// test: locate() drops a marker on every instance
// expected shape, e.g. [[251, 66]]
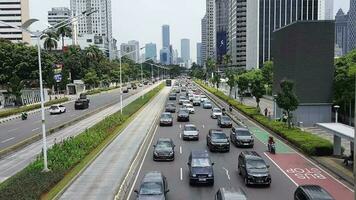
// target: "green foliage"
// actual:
[[64, 31], [310, 144], [231, 76], [267, 73], [216, 79], [31, 182], [10, 112], [286, 99], [50, 40], [91, 78]]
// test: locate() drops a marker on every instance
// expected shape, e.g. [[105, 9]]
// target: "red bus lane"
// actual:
[[303, 172]]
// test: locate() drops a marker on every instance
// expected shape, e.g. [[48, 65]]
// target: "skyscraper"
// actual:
[[151, 51], [341, 31], [211, 33], [326, 9], [250, 35], [166, 36], [352, 26], [128, 49], [14, 12], [99, 23], [57, 15], [221, 27], [204, 38], [185, 49], [136, 54], [199, 54], [166, 51]]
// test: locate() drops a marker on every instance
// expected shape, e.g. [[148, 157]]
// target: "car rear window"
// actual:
[[190, 128], [200, 162], [54, 107], [151, 188], [218, 135], [243, 132]]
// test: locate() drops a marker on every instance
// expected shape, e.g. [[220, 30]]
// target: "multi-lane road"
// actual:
[[17, 130], [288, 168]]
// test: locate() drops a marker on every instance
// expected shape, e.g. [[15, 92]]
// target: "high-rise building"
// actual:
[[98, 23], [352, 26], [326, 9], [166, 51], [129, 51], [14, 12], [204, 37], [185, 49], [136, 54], [211, 32], [151, 51], [57, 15], [341, 32], [221, 27], [175, 57], [199, 53], [250, 35], [166, 36], [165, 56]]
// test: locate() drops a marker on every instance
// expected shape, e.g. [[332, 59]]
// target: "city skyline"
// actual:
[[128, 29]]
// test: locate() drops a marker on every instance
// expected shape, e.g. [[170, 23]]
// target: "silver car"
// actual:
[[241, 137], [215, 113], [190, 132]]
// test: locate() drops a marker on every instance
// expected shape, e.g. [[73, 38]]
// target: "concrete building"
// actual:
[[211, 32], [151, 51], [352, 26], [99, 23], [221, 27], [14, 12], [199, 54], [136, 54], [175, 57], [204, 38], [185, 50], [166, 41], [253, 22], [166, 56], [341, 32], [57, 15], [325, 9], [128, 50]]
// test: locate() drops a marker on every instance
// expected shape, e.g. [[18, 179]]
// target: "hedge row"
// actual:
[[310, 144], [7, 113], [31, 182]]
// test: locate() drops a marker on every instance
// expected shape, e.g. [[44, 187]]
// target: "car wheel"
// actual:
[[239, 171], [246, 181]]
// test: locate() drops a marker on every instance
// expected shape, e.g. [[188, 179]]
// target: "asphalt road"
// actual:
[[17, 130], [225, 168]]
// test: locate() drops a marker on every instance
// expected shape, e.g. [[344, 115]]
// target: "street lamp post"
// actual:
[[336, 114], [38, 35], [274, 106]]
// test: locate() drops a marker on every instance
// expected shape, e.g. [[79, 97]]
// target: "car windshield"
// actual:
[[255, 164], [54, 107], [163, 145], [243, 133], [200, 162], [165, 116], [151, 188], [216, 110], [190, 128], [225, 118], [218, 136], [184, 111]]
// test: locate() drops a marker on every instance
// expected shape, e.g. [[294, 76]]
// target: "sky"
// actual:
[[141, 20]]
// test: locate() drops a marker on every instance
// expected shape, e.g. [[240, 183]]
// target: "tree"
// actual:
[[210, 66], [267, 73], [286, 99], [15, 87], [257, 91], [91, 79], [216, 80], [64, 31], [51, 40], [227, 59], [231, 82]]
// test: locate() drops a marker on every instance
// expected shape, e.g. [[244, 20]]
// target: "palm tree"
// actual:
[[210, 66], [227, 59], [51, 40], [64, 31], [94, 53]]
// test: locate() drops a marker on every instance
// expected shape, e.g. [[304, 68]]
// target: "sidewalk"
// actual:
[[102, 178]]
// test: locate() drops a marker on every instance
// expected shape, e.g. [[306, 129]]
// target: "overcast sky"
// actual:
[[142, 19]]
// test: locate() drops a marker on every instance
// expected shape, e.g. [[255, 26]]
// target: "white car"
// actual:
[[216, 112], [57, 109], [190, 132], [189, 107], [190, 97], [203, 98]]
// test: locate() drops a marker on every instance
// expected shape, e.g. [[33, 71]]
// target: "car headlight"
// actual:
[[210, 175], [171, 153], [155, 153], [194, 175]]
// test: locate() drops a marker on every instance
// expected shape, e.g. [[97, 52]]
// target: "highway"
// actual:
[[285, 166], [17, 130]]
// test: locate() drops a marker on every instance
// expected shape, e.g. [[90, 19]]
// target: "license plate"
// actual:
[[202, 179]]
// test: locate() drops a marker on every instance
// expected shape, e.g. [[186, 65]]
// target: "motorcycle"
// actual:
[[230, 108], [23, 116], [272, 148]]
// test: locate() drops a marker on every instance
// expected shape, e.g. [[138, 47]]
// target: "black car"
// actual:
[[125, 90], [183, 115], [253, 169], [170, 107], [172, 96], [216, 140], [81, 104], [311, 192], [163, 150], [166, 119], [241, 137], [230, 194], [224, 121], [153, 186], [200, 168]]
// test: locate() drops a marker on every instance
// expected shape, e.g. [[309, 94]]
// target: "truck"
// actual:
[[168, 83], [82, 102]]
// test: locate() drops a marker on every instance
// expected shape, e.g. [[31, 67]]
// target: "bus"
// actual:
[[168, 82]]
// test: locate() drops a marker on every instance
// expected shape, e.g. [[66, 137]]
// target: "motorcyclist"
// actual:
[[270, 143], [24, 116], [230, 107], [223, 110]]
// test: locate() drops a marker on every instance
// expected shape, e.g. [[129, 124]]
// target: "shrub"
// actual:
[[310, 144], [31, 183]]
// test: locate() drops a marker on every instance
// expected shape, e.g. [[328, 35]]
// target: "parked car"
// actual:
[[189, 107], [200, 168], [224, 121], [216, 140], [253, 169], [153, 186], [183, 115], [215, 113], [166, 119], [311, 192], [207, 104], [170, 107], [241, 137], [57, 109], [230, 194], [163, 150], [190, 132]]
